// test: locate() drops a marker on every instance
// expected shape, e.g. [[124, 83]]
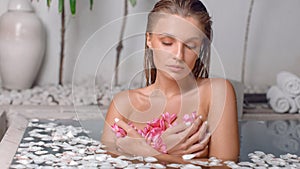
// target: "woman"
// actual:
[[177, 58]]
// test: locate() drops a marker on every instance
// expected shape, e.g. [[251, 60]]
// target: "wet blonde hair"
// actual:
[[183, 8]]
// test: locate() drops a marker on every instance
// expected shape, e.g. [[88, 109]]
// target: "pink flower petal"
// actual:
[[120, 132], [186, 118]]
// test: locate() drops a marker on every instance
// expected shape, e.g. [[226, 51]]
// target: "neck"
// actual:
[[171, 87]]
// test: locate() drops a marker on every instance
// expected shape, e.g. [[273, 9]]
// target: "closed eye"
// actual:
[[191, 46], [167, 43]]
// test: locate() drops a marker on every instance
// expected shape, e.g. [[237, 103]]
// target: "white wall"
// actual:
[[274, 38], [273, 41]]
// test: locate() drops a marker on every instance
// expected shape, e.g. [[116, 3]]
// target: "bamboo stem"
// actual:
[[120, 45], [246, 40], [62, 45]]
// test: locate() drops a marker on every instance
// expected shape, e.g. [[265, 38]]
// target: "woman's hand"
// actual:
[[187, 139], [133, 143]]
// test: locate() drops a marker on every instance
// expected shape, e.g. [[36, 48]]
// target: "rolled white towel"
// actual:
[[297, 102], [279, 102], [289, 83], [294, 108]]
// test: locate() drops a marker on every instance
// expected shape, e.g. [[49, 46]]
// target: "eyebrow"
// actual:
[[173, 36]]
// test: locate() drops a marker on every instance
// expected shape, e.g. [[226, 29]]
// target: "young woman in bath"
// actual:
[[180, 111]]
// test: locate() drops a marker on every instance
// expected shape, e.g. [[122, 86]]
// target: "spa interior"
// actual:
[[61, 64]]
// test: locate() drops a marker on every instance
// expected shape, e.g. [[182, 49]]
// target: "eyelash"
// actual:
[[167, 43], [191, 46], [170, 43]]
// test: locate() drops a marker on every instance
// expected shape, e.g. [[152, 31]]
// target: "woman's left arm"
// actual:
[[224, 142]]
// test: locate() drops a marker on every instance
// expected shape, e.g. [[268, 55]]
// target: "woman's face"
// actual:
[[175, 42]]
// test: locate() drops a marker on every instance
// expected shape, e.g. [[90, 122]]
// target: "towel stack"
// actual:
[[285, 96]]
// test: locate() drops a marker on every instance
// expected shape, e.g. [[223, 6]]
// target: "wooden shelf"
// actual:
[[267, 114], [259, 109]]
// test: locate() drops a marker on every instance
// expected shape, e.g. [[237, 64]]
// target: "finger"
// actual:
[[202, 153], [175, 135], [195, 126], [199, 146], [173, 138], [206, 139], [192, 149], [200, 134], [189, 149], [192, 129], [196, 147], [177, 129], [203, 130], [190, 146], [129, 130], [195, 137], [184, 138]]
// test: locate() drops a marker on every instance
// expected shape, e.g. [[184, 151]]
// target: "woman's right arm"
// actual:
[[108, 136]]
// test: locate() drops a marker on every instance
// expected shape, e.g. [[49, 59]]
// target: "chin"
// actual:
[[178, 76]]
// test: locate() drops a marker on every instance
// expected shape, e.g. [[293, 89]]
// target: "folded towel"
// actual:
[[297, 102], [289, 83], [279, 102]]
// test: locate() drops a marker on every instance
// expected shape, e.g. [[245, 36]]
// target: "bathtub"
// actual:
[[14, 121]]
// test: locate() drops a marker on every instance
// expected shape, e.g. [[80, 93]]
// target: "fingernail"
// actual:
[[200, 117], [117, 120], [188, 123], [205, 122]]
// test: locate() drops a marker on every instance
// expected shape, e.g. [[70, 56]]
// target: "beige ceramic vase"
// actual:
[[22, 45]]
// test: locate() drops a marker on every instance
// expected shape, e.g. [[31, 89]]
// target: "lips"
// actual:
[[175, 68]]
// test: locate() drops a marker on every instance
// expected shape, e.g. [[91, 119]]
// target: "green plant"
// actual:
[[61, 10], [72, 5]]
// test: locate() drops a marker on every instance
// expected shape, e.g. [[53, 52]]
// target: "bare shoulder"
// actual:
[[215, 84], [122, 99], [216, 91], [224, 85], [132, 92], [121, 96]]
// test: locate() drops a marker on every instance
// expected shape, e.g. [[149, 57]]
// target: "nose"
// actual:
[[180, 51]]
